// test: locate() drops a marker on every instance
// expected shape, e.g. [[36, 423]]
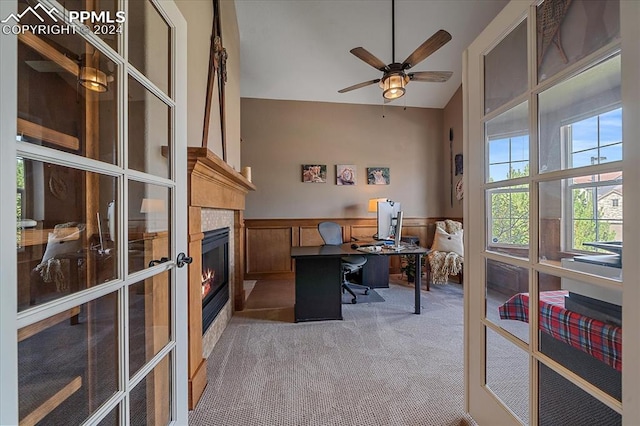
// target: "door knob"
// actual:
[[183, 259], [158, 261]]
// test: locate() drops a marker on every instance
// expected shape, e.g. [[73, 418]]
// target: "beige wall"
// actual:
[[199, 17], [279, 136], [452, 119]]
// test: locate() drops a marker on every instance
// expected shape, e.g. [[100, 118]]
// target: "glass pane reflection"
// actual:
[[67, 95], [149, 119], [507, 373], [581, 329], [149, 319], [72, 355], [66, 234], [569, 31], [151, 398], [563, 403], [148, 224]]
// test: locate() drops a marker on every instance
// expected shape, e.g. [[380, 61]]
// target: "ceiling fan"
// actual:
[[394, 77]]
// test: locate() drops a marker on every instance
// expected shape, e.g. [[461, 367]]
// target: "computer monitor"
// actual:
[[398, 231], [387, 219]]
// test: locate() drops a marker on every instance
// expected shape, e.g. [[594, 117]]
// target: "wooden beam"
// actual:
[[50, 404], [49, 52], [30, 330], [45, 134]]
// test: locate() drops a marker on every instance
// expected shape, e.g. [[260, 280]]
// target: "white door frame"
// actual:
[[479, 402], [8, 258]]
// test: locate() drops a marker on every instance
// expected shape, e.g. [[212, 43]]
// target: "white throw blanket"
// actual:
[[443, 263]]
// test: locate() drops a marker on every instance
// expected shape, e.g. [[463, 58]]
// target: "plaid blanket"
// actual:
[[600, 340]]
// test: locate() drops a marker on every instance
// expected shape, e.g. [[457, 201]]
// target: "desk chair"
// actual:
[[331, 233]]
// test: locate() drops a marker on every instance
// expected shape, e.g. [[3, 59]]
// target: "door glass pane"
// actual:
[[569, 31], [581, 224], [111, 419], [149, 120], [581, 119], [507, 374], [110, 27], [563, 403], [66, 234], [149, 319], [149, 47], [507, 139], [148, 225], [151, 398], [506, 285], [505, 69], [583, 332], [508, 220], [67, 96], [68, 363]]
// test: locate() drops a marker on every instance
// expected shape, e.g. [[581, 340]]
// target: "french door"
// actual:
[[93, 139], [552, 192]]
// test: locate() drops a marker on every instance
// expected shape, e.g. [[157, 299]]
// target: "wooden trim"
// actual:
[[269, 241], [49, 52], [30, 330], [45, 134], [212, 183], [197, 383], [50, 404]]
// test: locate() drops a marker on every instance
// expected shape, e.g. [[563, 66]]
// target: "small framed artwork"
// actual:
[[314, 173], [378, 176], [345, 174]]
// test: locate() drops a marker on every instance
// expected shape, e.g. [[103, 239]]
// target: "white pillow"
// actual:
[[443, 241]]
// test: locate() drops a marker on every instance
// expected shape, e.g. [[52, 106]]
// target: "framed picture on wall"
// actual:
[[378, 176], [345, 174], [314, 173]]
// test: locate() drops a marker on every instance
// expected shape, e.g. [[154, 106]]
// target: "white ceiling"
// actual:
[[299, 49]]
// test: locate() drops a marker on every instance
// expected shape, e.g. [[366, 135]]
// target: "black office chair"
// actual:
[[331, 233]]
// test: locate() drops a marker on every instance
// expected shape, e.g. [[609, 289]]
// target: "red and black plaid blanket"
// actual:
[[600, 340]]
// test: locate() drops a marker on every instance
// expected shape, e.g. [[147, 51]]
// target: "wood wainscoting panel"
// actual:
[[268, 250], [269, 241], [364, 232], [309, 236]]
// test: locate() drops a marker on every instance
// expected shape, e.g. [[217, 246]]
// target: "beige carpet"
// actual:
[[381, 365]]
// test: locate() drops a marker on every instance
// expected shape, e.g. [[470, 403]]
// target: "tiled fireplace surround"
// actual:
[[216, 200]]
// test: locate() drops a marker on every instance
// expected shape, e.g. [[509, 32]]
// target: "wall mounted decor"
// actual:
[[378, 176], [458, 161], [314, 173], [345, 174]]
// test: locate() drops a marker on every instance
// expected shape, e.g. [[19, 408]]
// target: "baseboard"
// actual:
[[197, 384]]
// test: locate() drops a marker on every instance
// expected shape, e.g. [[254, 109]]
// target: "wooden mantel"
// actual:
[[213, 184]]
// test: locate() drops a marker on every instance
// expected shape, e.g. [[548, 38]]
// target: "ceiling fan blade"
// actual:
[[369, 58], [435, 42], [359, 85], [431, 76]]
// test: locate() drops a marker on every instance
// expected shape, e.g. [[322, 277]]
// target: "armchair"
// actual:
[[331, 234]]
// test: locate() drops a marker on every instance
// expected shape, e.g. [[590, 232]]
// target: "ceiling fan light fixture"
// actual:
[[393, 85], [93, 79]]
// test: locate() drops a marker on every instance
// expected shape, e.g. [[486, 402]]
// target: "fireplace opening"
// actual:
[[215, 274]]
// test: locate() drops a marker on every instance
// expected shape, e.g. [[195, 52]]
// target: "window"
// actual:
[[508, 157], [509, 215], [594, 205]]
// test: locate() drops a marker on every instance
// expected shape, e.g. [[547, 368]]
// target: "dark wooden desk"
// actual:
[[319, 279]]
